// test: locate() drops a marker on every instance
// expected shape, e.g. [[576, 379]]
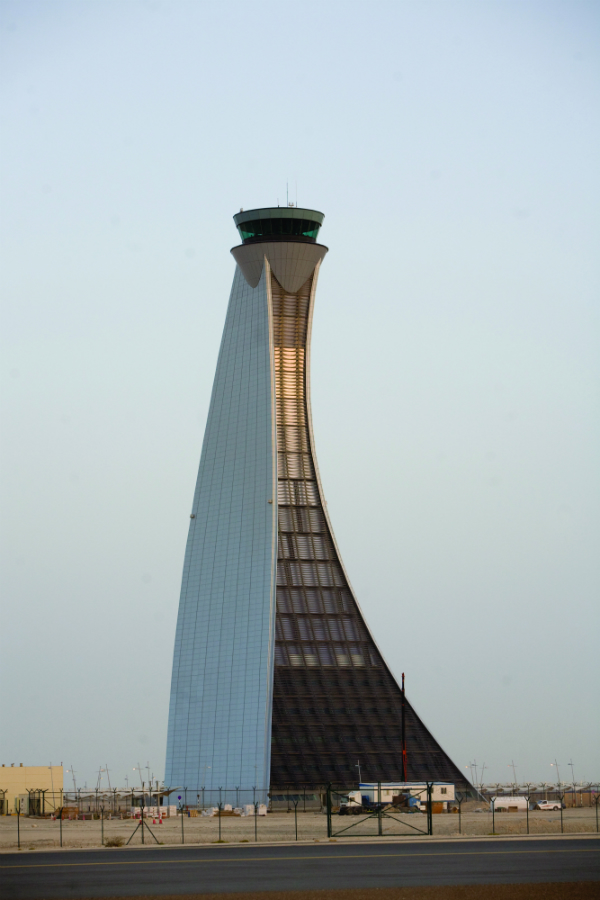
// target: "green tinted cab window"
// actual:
[[284, 226]]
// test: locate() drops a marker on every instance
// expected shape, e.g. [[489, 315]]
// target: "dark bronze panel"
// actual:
[[335, 701]]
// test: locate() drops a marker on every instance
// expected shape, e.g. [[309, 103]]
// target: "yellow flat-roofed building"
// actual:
[[21, 784]]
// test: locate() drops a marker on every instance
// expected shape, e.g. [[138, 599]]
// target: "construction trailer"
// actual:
[[407, 793], [509, 804]]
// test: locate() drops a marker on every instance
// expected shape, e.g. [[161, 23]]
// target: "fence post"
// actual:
[[102, 825], [61, 818], [329, 810], [19, 823], [561, 797], [429, 809], [493, 802], [459, 816], [379, 820], [296, 817]]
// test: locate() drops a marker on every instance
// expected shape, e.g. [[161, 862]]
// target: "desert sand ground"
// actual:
[[44, 834]]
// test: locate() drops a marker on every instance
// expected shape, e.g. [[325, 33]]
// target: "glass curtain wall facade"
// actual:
[[277, 680]]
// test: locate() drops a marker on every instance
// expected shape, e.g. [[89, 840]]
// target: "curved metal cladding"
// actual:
[[335, 702], [294, 692], [219, 729]]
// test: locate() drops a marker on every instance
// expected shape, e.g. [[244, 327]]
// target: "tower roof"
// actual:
[[279, 223]]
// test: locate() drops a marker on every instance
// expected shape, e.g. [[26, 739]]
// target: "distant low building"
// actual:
[[24, 788], [442, 792]]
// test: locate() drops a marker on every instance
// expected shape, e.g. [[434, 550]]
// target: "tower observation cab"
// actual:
[[277, 679], [279, 223]]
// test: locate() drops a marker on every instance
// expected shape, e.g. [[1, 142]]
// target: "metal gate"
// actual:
[[377, 817]]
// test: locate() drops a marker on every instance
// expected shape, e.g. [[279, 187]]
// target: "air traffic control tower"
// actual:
[[277, 679]]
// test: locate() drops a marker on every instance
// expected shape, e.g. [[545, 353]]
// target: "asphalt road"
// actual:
[[197, 870]]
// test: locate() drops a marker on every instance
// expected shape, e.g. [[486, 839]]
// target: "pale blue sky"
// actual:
[[453, 147]]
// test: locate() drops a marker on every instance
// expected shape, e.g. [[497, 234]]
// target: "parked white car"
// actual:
[[549, 804]]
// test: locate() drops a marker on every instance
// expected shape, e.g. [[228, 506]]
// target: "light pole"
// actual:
[[52, 782], [555, 765], [573, 779], [73, 777]]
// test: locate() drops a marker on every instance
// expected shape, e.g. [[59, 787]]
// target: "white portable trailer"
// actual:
[[509, 804]]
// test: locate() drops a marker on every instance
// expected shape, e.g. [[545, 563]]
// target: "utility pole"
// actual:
[[573, 778], [473, 767], [404, 760]]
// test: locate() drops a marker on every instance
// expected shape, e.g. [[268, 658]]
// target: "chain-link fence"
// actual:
[[247, 815]]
